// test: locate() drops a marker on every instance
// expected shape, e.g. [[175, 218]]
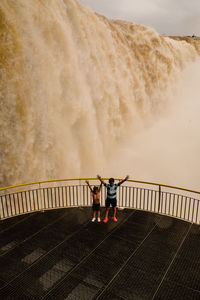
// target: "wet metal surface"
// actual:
[[61, 254]]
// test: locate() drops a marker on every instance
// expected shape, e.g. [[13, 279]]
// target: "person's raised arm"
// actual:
[[100, 187], [89, 185], [126, 178], [99, 177]]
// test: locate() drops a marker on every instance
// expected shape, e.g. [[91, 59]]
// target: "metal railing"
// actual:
[[157, 198]]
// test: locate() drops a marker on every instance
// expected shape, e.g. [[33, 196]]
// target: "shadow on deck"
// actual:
[[61, 254]]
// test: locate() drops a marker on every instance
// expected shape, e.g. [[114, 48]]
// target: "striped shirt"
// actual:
[[111, 190]]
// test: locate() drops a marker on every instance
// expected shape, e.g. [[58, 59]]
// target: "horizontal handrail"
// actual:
[[104, 178], [51, 194]]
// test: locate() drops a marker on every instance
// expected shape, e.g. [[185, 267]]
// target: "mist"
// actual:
[[82, 94], [168, 151]]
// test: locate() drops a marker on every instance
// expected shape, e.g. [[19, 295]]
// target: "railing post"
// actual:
[[79, 193], [159, 198], [41, 199]]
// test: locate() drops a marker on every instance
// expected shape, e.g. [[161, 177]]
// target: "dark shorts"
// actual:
[[112, 202], [96, 206]]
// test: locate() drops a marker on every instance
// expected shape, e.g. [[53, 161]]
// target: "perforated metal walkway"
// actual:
[[60, 254]]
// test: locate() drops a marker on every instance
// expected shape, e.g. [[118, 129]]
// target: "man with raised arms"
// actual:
[[111, 196]]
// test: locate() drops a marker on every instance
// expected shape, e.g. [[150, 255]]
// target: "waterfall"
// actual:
[[77, 88]]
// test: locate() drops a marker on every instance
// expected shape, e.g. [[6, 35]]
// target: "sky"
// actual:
[[167, 17]]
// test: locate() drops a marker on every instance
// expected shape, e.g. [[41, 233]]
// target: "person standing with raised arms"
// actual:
[[96, 201], [111, 198]]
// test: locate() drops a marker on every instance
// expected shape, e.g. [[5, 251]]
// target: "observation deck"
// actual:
[[51, 253]]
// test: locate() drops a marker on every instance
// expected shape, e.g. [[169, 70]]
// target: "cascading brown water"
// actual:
[[76, 86]]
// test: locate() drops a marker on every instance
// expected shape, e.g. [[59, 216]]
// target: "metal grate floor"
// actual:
[[61, 255]]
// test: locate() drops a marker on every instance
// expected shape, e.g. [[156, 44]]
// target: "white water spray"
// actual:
[[168, 151]]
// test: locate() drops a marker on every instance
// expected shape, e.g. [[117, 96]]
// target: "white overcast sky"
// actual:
[[168, 17]]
